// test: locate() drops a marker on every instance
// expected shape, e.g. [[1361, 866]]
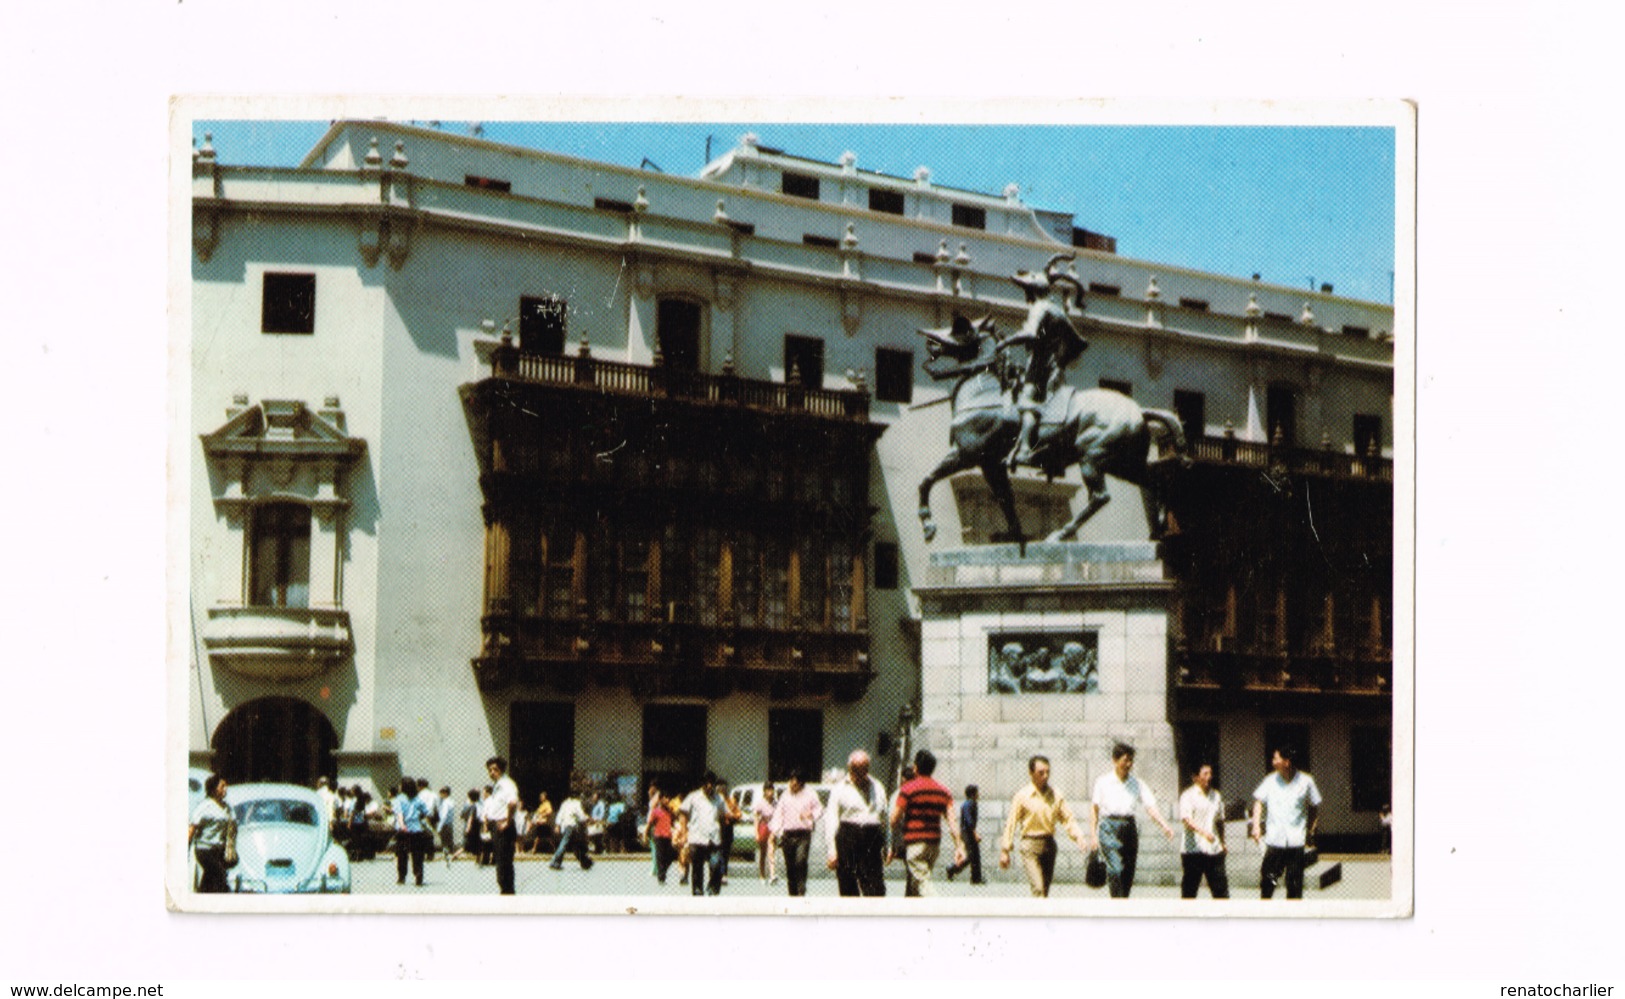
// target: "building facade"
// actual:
[[499, 451]]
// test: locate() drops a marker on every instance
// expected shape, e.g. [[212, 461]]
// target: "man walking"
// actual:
[[1286, 809], [1117, 793], [922, 805], [794, 815], [1034, 813], [498, 814], [857, 830], [703, 813], [431, 815], [1201, 854], [969, 815], [411, 832], [572, 822]]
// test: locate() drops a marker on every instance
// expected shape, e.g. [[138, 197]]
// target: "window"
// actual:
[[894, 375], [921, 257], [1357, 331], [795, 743], [800, 185], [1197, 304], [814, 584], [827, 242], [804, 355], [677, 328], [883, 200], [1281, 414], [886, 567], [1096, 288], [1278, 317], [1093, 240], [558, 569], [288, 304], [541, 324], [1117, 386], [612, 205], [970, 217], [1288, 735], [487, 183], [1191, 407], [1371, 751], [280, 560], [1367, 434]]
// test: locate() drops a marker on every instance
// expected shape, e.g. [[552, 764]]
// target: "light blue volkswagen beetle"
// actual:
[[283, 842]]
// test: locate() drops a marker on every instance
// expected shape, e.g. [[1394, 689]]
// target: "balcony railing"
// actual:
[[1368, 673], [1230, 450], [662, 381], [278, 643]]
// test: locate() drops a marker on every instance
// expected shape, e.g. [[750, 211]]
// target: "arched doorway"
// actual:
[[277, 739]]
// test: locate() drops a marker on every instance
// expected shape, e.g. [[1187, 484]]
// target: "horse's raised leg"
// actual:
[[1094, 481], [1156, 515], [952, 462], [998, 481]]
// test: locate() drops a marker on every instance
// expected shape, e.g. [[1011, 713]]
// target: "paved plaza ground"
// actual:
[[631, 875]]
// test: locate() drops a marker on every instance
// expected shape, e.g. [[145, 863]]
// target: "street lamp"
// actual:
[[905, 731]]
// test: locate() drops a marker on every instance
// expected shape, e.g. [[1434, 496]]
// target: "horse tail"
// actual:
[[1171, 425]]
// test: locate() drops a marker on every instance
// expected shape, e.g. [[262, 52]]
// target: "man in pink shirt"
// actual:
[[794, 815]]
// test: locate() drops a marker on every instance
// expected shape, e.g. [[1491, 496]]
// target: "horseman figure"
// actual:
[[1052, 343]]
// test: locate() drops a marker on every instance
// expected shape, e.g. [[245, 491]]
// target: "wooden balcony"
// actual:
[[655, 658], [1234, 676], [618, 378]]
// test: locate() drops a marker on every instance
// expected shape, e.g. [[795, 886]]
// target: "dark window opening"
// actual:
[[970, 217], [804, 355], [1277, 317], [611, 205], [800, 185], [280, 558], [677, 329], [1287, 735], [541, 324], [1367, 434], [1359, 331], [743, 228], [1117, 386], [883, 200], [674, 745], [542, 748], [886, 566], [1096, 288], [488, 183], [894, 375], [827, 242], [288, 304], [1093, 240], [1191, 407], [795, 743], [924, 258], [1197, 304], [1371, 751], [1281, 414]]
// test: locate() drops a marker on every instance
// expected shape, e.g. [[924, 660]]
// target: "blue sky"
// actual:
[[1297, 205]]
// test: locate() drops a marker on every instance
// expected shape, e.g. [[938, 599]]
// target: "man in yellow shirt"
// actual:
[[1034, 813]]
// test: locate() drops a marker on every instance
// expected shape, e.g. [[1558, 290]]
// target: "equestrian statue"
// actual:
[[1009, 413]]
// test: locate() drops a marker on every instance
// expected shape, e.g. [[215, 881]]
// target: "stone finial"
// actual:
[[963, 257], [205, 153], [859, 381], [507, 333], [585, 350], [1308, 317], [849, 162], [488, 327], [374, 160], [398, 161], [1253, 309], [1153, 291], [750, 142], [641, 204], [922, 176], [1012, 194], [721, 216], [942, 252], [849, 242], [728, 364]]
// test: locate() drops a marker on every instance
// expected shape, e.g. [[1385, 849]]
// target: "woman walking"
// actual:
[[212, 827]]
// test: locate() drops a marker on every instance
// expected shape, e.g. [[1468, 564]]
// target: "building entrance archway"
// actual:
[[276, 739]]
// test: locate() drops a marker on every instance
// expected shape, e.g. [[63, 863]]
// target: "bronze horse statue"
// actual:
[[1101, 431]]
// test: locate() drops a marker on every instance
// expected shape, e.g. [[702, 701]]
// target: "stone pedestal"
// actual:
[[1061, 651]]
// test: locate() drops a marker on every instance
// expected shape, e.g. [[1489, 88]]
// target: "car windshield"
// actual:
[[276, 810]]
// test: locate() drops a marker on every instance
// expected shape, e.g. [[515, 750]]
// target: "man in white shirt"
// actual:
[[1201, 854], [330, 801], [498, 813], [856, 830], [702, 813], [431, 814], [1286, 809], [571, 821], [1117, 793]]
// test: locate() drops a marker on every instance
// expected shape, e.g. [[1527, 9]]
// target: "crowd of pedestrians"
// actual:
[[864, 829]]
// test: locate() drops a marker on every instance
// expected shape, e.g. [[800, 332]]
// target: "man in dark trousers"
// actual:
[[969, 813], [922, 806]]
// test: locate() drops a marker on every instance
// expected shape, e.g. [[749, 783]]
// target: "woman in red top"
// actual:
[[765, 804], [660, 834]]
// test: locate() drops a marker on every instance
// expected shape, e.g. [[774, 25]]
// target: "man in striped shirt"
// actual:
[[922, 805]]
